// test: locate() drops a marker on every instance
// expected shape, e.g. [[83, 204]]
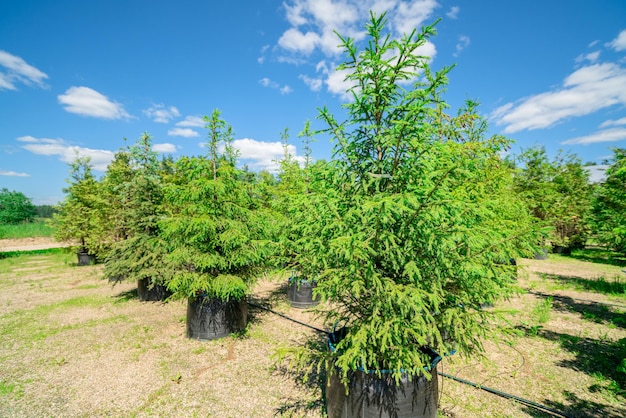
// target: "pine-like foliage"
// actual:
[[407, 229], [557, 192], [76, 217], [610, 204], [216, 226], [137, 251]]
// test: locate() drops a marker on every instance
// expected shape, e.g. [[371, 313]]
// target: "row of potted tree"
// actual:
[[405, 231]]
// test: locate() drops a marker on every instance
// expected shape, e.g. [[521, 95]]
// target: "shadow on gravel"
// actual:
[[311, 382], [578, 408], [599, 256], [600, 358], [609, 314]]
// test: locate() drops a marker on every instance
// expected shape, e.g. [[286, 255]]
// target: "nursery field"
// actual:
[[71, 344]]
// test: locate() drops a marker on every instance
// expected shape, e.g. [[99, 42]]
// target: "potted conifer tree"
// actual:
[[76, 217], [407, 231], [138, 252], [293, 184], [216, 230]]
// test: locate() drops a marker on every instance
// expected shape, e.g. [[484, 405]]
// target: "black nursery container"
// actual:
[[85, 259], [300, 293], [157, 293], [209, 319], [370, 396]]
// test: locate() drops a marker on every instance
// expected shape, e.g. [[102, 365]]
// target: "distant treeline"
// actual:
[[45, 211]]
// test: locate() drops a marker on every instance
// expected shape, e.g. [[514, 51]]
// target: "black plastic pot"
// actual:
[[370, 396], [300, 293], [561, 249], [209, 319], [86, 259], [157, 293]]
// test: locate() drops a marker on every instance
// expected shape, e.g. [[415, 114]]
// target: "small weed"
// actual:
[[534, 330], [542, 310], [10, 389], [201, 349]]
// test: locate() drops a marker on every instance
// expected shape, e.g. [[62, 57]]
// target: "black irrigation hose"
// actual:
[[526, 402], [287, 318]]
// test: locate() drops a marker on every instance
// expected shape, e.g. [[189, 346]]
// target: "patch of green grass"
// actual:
[[599, 255], [613, 287], [47, 251], [39, 228], [7, 388], [34, 324], [542, 310]]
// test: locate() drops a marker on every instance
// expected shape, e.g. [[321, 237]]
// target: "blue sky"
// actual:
[[80, 76]]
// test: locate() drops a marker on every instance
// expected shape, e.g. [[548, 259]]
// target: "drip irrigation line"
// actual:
[[526, 402], [523, 401], [532, 292], [288, 318]]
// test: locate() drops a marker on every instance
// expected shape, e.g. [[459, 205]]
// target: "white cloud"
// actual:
[[185, 132], [337, 83], [313, 26], [591, 57], [314, 22], [463, 43], [315, 84], [597, 173], [88, 102], [412, 15], [605, 135], [166, 147], [13, 174], [453, 13], [100, 159], [294, 40], [192, 122], [18, 71], [266, 82], [619, 43], [261, 58], [585, 91], [161, 114], [261, 155], [616, 122]]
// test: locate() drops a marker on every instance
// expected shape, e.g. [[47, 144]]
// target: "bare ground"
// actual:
[[29, 244], [73, 345]]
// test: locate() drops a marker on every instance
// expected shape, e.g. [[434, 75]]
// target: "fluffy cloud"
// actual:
[[16, 70], [185, 132], [161, 114], [314, 22], [315, 84], [463, 43], [88, 102], [294, 40], [266, 82], [453, 13], [585, 91], [605, 135], [192, 122], [619, 43], [13, 174], [100, 159], [262, 155], [610, 122], [165, 148]]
